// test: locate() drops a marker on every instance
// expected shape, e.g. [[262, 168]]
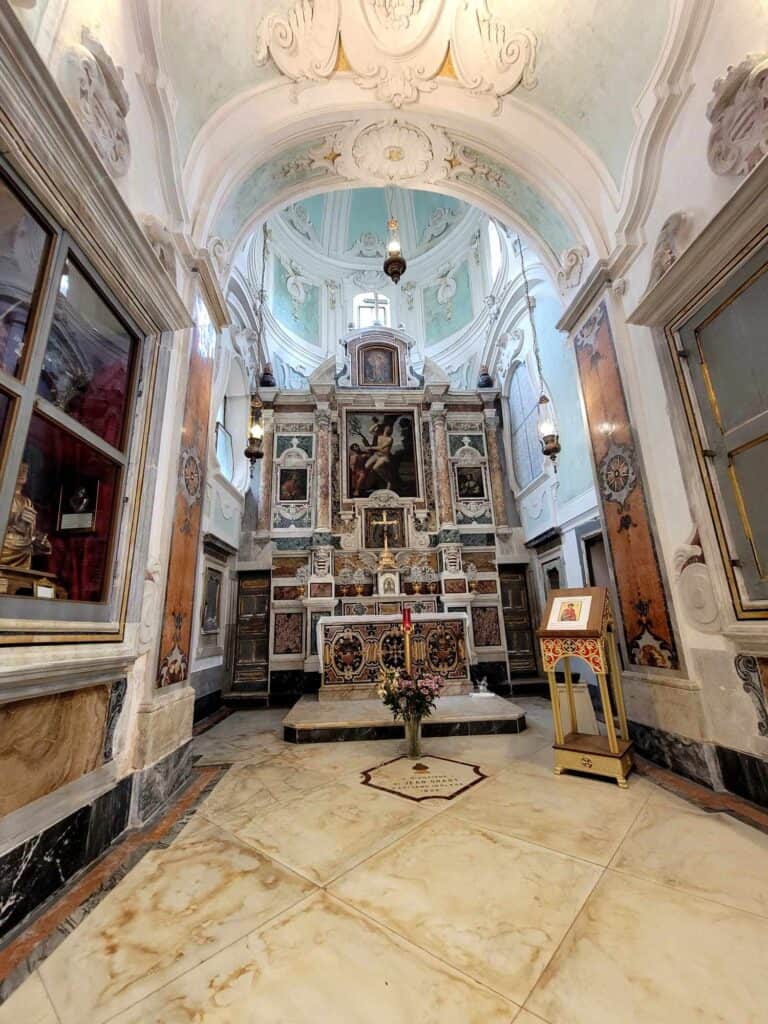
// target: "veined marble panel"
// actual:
[[711, 855], [528, 897], [29, 1005], [322, 962], [643, 952], [582, 817], [175, 909], [46, 742]]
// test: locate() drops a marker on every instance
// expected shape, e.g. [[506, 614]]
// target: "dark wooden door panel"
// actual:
[[521, 651]]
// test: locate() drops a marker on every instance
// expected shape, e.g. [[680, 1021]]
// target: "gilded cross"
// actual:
[[386, 523]]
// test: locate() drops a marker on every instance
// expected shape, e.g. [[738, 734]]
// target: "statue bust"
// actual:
[[22, 538]]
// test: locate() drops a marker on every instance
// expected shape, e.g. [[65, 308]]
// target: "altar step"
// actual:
[[314, 721]]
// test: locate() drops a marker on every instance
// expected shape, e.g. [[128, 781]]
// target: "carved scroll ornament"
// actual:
[[398, 47]]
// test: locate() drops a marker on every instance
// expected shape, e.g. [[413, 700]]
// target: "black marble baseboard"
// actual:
[[692, 758], [744, 774], [206, 706], [36, 870], [154, 786], [288, 685], [394, 731]]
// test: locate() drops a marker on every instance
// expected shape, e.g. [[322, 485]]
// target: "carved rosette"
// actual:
[[93, 86], [738, 113]]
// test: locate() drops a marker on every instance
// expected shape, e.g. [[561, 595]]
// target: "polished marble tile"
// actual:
[[579, 816], [331, 829], [29, 1004], [321, 963], [642, 952], [501, 927], [711, 855], [248, 789], [261, 746], [526, 1017], [176, 908], [491, 753]]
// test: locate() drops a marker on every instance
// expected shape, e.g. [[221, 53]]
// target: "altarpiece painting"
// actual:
[[381, 454]]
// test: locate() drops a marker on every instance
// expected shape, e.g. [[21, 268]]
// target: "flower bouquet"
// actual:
[[410, 699]]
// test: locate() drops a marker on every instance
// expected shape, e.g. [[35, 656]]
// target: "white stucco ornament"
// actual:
[[397, 48], [738, 112], [93, 86], [392, 151], [572, 268]]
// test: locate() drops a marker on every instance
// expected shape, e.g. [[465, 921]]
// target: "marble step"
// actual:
[[314, 721]]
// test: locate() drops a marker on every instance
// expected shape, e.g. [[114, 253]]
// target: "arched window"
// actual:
[[523, 412], [494, 250], [224, 450], [370, 309]]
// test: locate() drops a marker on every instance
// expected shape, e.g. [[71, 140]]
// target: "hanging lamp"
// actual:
[[394, 262]]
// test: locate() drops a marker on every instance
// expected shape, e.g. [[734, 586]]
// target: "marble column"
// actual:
[[264, 525], [495, 455], [442, 478], [323, 463]]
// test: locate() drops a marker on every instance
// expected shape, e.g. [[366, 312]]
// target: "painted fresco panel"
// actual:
[[642, 597], [190, 488]]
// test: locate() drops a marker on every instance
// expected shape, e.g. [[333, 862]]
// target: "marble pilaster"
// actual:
[[323, 457], [442, 479], [264, 522], [494, 467]]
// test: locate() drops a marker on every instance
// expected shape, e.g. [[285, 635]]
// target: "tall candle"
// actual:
[[407, 625]]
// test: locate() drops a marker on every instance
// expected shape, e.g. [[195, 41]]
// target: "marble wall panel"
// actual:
[[288, 633], [485, 626], [46, 742], [173, 666], [644, 608], [155, 785]]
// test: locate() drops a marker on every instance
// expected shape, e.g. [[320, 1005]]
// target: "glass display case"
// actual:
[[68, 360]]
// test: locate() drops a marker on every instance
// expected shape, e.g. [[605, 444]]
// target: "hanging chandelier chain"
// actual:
[[529, 306]]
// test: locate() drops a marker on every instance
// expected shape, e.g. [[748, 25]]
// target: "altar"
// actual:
[[355, 649]]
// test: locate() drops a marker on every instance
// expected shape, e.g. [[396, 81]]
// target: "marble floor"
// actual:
[[296, 894]]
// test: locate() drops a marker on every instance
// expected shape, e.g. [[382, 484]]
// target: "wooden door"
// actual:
[[521, 650], [252, 642]]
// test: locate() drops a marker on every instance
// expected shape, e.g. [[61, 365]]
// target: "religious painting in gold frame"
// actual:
[[378, 366], [382, 451], [374, 530]]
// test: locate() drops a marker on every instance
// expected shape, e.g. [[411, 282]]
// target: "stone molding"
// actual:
[[44, 142]]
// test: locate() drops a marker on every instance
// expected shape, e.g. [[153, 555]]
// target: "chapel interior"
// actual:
[[383, 520]]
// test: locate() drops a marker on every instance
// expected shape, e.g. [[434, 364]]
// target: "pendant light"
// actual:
[[394, 261], [549, 439], [255, 447]]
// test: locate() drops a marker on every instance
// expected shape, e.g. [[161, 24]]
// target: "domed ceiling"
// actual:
[[353, 223]]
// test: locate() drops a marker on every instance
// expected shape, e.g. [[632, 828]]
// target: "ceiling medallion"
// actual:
[[395, 152], [398, 48]]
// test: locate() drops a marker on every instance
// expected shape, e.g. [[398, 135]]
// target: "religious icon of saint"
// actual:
[[569, 613], [377, 367], [293, 485]]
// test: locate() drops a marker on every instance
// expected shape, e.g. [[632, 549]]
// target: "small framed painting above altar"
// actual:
[[356, 649]]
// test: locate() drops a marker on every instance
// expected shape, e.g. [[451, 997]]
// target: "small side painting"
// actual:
[[293, 484], [569, 613], [469, 482], [381, 454], [378, 367]]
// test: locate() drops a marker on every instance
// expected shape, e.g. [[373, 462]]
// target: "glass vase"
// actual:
[[413, 737]]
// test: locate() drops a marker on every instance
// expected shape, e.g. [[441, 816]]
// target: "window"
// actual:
[[371, 309], [494, 250], [725, 373], [523, 412], [224, 451], [67, 367]]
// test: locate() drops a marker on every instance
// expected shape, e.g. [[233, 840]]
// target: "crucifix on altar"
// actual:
[[387, 572]]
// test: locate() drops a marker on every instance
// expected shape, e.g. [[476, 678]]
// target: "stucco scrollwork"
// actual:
[[572, 267], [738, 113], [696, 588], [150, 600], [159, 237], [93, 86], [398, 47], [668, 246]]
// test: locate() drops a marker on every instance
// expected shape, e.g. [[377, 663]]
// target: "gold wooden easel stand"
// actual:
[[609, 755]]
